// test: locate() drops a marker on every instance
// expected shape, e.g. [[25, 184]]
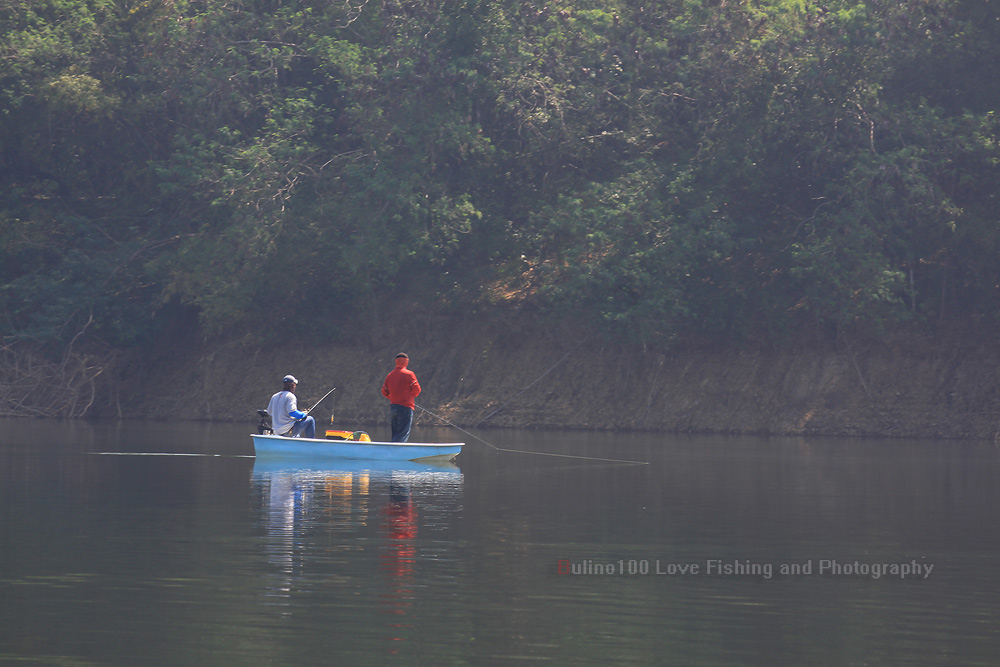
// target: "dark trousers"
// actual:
[[401, 418]]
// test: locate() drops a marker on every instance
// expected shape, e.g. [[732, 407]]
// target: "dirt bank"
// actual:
[[518, 373]]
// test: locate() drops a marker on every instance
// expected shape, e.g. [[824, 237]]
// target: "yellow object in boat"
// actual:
[[360, 436]]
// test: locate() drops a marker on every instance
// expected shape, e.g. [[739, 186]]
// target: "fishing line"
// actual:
[[226, 456], [525, 451], [528, 386]]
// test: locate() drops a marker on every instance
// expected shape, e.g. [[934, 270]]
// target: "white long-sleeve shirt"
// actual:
[[279, 407]]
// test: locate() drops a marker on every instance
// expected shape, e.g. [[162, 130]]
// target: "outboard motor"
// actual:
[[264, 427]]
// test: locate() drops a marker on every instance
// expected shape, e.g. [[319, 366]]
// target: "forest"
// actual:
[[659, 171]]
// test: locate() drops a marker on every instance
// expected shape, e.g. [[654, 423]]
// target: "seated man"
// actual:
[[286, 418]]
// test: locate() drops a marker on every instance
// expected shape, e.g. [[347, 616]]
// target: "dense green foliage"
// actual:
[[661, 169]]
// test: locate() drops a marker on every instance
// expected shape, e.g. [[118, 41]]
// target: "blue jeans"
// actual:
[[401, 418], [305, 428]]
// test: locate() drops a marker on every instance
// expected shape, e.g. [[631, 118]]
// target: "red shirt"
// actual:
[[401, 385]]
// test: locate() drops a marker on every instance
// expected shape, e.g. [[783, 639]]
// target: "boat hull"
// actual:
[[269, 445]]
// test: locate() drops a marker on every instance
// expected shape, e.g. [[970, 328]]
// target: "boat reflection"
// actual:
[[350, 523], [265, 465]]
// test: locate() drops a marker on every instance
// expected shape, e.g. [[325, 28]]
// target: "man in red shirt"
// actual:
[[401, 388]]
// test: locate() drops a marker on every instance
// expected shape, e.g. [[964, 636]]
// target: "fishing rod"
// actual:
[[319, 401]]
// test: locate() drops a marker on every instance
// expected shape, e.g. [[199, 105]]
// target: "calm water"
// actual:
[[721, 551]]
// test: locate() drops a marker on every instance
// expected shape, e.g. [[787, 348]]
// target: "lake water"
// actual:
[[720, 551]]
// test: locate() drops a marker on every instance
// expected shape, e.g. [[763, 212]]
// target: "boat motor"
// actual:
[[264, 427]]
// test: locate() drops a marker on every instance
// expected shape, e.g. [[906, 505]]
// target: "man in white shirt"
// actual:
[[286, 418]]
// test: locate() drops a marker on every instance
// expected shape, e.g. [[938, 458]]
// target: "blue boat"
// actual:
[[276, 445]]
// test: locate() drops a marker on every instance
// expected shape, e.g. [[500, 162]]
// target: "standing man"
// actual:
[[401, 388], [286, 418]]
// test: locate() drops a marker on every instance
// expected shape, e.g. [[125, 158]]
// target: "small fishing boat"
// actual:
[[270, 445], [340, 444]]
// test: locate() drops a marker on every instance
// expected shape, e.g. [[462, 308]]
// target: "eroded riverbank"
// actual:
[[522, 374]]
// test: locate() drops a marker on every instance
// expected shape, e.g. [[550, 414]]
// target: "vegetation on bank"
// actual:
[[658, 169]]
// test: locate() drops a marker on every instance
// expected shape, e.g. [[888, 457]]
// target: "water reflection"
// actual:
[[217, 559], [353, 516]]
